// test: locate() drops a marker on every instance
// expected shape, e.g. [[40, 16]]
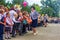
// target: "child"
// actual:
[[9, 23], [29, 21], [2, 23], [25, 22], [45, 20], [15, 26], [21, 24]]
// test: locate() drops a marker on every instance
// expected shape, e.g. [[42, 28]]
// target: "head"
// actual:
[[7, 14], [46, 14], [16, 15], [1, 7], [32, 8], [20, 14], [12, 8], [6, 9], [25, 13], [2, 11]]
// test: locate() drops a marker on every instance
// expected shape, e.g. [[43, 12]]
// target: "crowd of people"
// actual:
[[13, 21]]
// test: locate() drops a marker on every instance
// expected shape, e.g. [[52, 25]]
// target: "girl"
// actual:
[[9, 23], [24, 22], [15, 26], [21, 23], [45, 20], [2, 23], [29, 21]]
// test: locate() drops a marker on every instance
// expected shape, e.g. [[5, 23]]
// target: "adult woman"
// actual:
[[34, 17]]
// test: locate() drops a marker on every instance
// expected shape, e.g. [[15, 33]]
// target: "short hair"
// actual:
[[33, 7]]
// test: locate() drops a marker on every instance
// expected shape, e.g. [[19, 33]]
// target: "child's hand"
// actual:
[[11, 25], [4, 24]]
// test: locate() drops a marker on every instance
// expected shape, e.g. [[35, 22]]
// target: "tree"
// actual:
[[27, 8], [9, 5], [2, 2], [17, 1], [54, 5], [37, 7]]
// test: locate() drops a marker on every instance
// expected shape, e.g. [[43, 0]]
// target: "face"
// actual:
[[15, 15], [8, 15], [20, 14], [32, 9]]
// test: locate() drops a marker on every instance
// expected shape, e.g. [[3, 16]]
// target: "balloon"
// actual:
[[24, 4]]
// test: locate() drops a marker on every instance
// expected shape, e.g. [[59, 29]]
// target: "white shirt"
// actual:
[[1, 16], [12, 12], [5, 14], [15, 20], [8, 21]]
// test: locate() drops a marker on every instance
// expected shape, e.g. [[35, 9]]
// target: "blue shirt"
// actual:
[[34, 15]]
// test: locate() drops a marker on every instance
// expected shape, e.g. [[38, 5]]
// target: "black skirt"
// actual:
[[7, 29], [34, 23]]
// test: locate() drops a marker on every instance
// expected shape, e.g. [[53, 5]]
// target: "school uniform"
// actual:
[[21, 25], [45, 19], [1, 26], [8, 21], [15, 26], [8, 26]]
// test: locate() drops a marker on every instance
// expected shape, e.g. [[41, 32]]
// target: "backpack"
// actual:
[[2, 20], [24, 22]]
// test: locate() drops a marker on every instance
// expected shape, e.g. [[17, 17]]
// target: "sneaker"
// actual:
[[36, 33], [9, 37], [6, 37]]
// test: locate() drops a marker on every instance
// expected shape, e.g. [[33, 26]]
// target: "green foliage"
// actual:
[[37, 7], [9, 5], [2, 2], [27, 8], [17, 1], [47, 10], [54, 7]]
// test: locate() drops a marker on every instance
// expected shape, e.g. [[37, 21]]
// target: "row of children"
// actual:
[[12, 20], [20, 24]]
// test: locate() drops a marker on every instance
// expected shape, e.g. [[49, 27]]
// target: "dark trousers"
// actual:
[[29, 27], [21, 28], [15, 27], [24, 28], [1, 31]]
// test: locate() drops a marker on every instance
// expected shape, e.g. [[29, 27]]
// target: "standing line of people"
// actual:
[[13, 21]]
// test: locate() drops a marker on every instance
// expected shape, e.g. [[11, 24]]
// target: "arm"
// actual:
[[7, 21], [15, 20]]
